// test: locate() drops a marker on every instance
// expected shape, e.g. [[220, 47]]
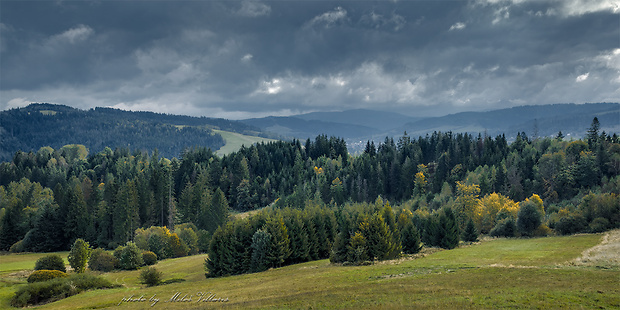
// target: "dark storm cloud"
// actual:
[[252, 58]]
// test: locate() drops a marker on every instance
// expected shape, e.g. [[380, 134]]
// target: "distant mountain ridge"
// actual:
[[367, 118], [345, 124], [541, 120], [38, 125], [360, 125]]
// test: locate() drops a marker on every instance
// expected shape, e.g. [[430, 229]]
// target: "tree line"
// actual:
[[51, 197]]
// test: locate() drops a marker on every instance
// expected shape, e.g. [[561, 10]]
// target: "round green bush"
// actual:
[[50, 262], [150, 276], [100, 260], [45, 275], [149, 258], [131, 257]]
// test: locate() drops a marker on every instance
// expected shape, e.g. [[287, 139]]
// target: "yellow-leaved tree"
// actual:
[[466, 203], [488, 208], [537, 201]]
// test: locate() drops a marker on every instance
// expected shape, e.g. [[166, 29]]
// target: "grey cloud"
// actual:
[[242, 59], [329, 19], [378, 20], [252, 8]]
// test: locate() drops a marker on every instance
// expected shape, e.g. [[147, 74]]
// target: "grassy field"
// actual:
[[234, 141], [514, 273]]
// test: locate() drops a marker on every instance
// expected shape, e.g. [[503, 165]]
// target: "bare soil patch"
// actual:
[[606, 254]]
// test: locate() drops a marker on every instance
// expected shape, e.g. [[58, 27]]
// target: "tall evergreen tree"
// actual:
[[126, 212], [410, 238], [279, 248], [78, 218], [471, 233], [261, 243], [592, 135], [449, 229]]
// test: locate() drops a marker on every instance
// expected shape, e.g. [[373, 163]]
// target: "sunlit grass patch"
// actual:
[[500, 273]]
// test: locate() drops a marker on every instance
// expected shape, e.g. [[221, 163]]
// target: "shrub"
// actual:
[[58, 288], [50, 262], [131, 257], [542, 230], [17, 247], [599, 224], [118, 252], [178, 247], [570, 224], [79, 255], [45, 275], [190, 238], [149, 258], [150, 276], [529, 218], [100, 260], [504, 228], [158, 245]]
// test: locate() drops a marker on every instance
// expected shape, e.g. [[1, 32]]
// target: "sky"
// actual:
[[244, 59]]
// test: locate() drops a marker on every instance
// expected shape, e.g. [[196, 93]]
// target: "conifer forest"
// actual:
[[311, 199]]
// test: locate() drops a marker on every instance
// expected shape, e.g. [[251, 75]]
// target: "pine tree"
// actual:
[[9, 228], [298, 237], [449, 229], [378, 238], [340, 248], [471, 233], [261, 242], [410, 238], [125, 216], [593, 132], [78, 218], [279, 249], [357, 249], [219, 262]]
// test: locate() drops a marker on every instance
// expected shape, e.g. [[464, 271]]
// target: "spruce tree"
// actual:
[[449, 229], [410, 238], [298, 237], [261, 242], [471, 233], [340, 248], [279, 249]]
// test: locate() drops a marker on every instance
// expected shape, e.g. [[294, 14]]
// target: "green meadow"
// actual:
[[234, 141], [496, 273]]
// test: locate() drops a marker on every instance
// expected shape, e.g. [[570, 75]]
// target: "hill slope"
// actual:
[[515, 273], [39, 125]]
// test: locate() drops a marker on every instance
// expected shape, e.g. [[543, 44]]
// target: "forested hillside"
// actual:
[[365, 207], [39, 125]]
